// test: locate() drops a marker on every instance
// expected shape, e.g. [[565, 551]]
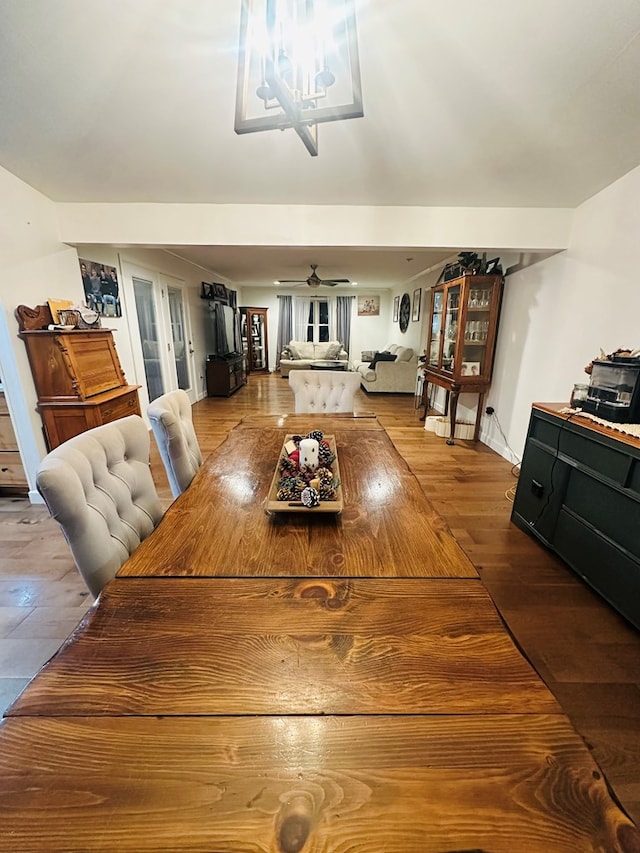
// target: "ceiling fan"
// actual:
[[314, 279]]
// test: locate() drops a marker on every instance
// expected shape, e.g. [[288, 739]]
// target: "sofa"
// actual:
[[391, 377], [298, 355]]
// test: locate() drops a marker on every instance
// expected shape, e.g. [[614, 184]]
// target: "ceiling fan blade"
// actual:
[[292, 280], [331, 282]]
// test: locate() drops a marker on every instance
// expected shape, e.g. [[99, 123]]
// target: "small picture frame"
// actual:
[[220, 291], [396, 308], [368, 306], [470, 368], [415, 309]]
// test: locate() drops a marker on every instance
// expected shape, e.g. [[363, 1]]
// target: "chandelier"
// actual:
[[298, 66]]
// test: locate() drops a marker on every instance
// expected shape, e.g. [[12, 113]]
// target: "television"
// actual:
[[225, 327]]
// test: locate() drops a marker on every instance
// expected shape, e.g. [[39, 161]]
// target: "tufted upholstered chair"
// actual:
[[324, 392], [98, 487], [172, 424]]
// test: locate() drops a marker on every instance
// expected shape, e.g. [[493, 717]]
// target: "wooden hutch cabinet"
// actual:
[[255, 346], [461, 340], [77, 375]]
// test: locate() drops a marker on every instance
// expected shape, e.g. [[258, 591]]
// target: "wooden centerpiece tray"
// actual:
[[333, 506]]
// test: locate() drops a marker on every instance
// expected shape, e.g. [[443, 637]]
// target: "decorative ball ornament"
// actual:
[[310, 497], [405, 312]]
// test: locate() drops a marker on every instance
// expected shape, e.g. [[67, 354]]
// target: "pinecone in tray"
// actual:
[[325, 456]]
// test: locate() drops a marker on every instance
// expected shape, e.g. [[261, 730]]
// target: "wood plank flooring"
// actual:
[[588, 655]]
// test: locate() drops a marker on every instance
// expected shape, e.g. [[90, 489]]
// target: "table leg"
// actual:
[[476, 433], [453, 406], [424, 404]]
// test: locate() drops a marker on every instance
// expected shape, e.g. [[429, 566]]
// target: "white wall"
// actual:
[[520, 229], [558, 313], [36, 266]]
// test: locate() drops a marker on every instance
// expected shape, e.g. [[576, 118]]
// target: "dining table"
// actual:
[[276, 682], [387, 527]]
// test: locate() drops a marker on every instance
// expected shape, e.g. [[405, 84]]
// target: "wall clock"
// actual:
[[405, 312]]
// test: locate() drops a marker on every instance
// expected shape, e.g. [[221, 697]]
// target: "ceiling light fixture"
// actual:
[[299, 62]]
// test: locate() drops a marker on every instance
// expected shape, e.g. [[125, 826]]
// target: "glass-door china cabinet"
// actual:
[[461, 340], [253, 331]]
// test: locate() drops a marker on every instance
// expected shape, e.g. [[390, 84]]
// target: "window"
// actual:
[[318, 328]]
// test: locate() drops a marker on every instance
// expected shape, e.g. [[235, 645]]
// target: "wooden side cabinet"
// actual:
[[579, 494], [463, 327], [255, 345], [12, 476], [77, 375], [225, 376]]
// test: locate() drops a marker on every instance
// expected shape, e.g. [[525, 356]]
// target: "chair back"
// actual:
[[171, 420], [324, 392], [98, 487]]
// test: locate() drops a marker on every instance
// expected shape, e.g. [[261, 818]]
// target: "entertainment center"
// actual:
[[226, 368]]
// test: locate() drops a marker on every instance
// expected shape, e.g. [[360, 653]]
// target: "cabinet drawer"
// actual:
[[612, 512], [11, 470], [610, 462], [7, 435], [540, 492], [120, 407], [587, 449], [614, 574]]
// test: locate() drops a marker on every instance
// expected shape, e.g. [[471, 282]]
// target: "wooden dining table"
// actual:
[[387, 528], [224, 697]]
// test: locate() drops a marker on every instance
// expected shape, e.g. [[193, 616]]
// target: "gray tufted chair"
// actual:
[[324, 392], [98, 487], [172, 424]]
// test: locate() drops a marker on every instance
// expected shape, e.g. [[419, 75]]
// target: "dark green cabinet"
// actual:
[[579, 494]]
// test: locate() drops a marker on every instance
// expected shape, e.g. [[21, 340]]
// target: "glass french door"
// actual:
[[179, 336], [149, 336], [159, 329]]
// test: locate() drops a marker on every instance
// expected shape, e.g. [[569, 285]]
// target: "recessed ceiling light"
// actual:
[[275, 281], [354, 284]]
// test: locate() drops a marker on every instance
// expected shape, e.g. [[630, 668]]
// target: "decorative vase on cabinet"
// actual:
[[463, 327], [255, 345]]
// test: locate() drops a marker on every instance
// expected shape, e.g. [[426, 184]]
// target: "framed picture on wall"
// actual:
[[415, 309], [220, 291], [396, 308], [368, 306], [101, 288]]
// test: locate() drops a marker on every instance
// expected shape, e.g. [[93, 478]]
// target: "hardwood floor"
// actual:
[[587, 654]]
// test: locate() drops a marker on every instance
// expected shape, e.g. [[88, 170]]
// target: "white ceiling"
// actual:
[[526, 104]]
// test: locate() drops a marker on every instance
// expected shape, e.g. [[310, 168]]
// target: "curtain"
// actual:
[[343, 320], [332, 307], [301, 308], [285, 326]]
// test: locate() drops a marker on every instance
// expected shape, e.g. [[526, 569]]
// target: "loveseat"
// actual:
[[298, 355], [397, 376]]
